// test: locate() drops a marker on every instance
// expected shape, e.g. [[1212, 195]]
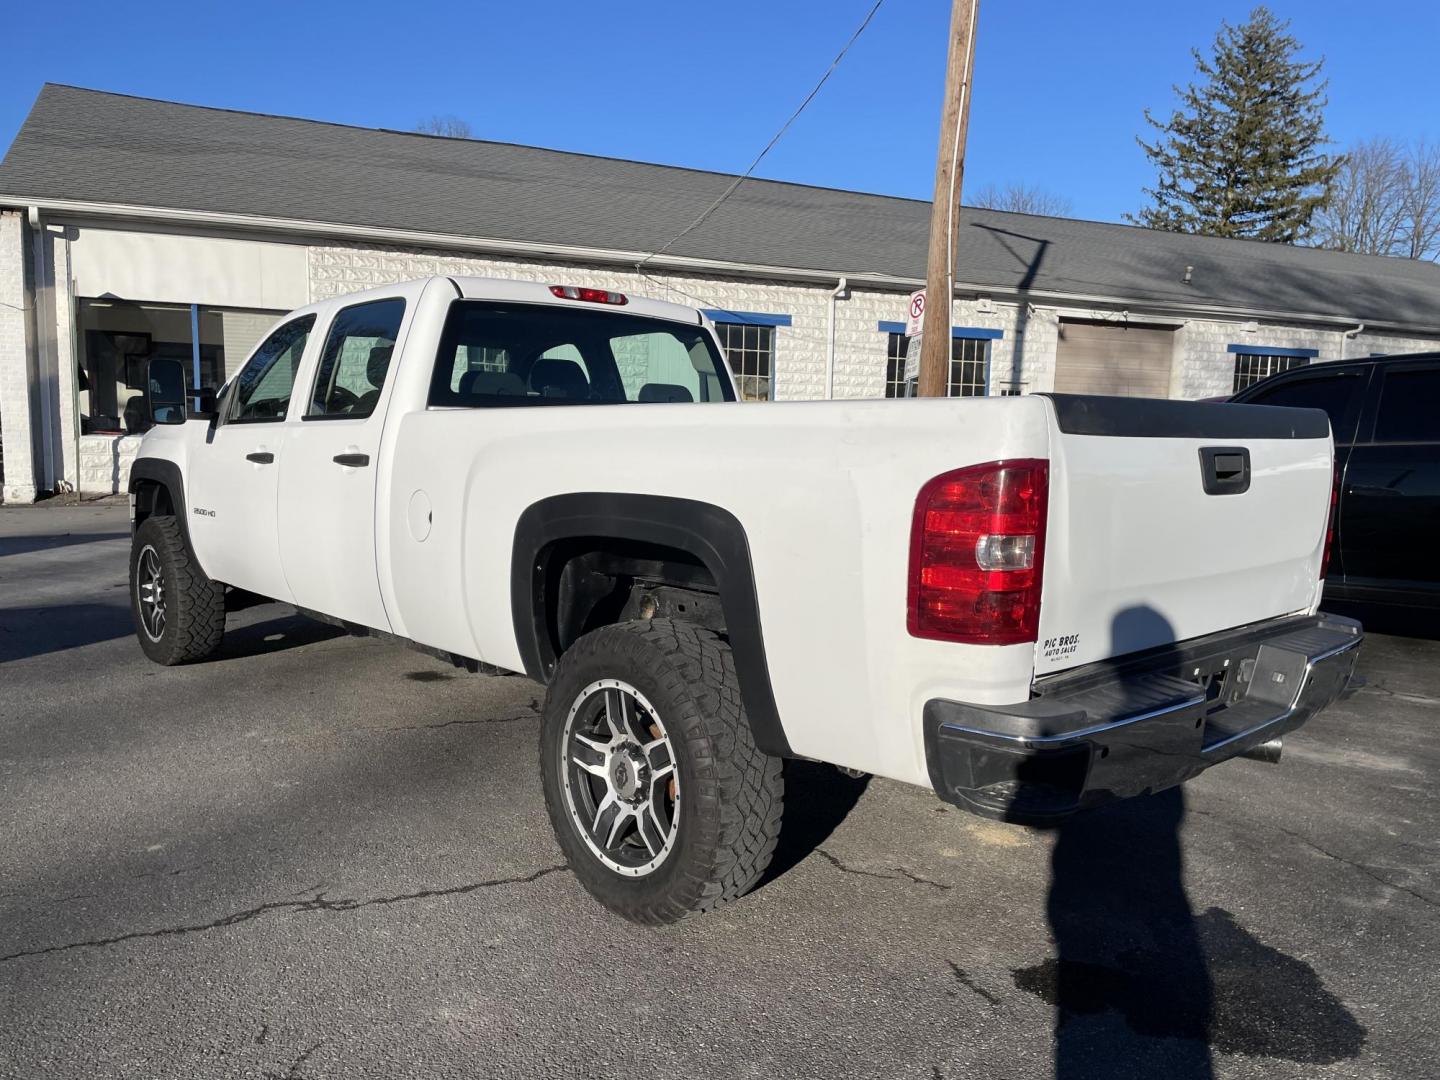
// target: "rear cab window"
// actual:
[[497, 354]]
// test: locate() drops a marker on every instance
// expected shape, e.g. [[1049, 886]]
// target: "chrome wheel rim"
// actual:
[[150, 592], [621, 786]]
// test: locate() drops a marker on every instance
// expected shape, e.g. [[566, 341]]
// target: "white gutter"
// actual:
[[840, 287], [674, 263], [1349, 335]]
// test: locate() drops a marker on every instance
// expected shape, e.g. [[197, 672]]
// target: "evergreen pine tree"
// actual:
[[1242, 156]]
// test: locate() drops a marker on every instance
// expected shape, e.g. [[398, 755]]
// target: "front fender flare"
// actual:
[[167, 475]]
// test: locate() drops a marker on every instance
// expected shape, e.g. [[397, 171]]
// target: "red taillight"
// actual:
[[593, 296], [1331, 518], [977, 547]]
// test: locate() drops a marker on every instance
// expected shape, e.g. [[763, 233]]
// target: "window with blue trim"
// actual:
[[1250, 368], [751, 352], [969, 367], [969, 361], [895, 366]]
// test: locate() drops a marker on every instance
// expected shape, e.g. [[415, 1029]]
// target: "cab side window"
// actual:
[[1339, 394], [262, 390], [1407, 407], [356, 359]]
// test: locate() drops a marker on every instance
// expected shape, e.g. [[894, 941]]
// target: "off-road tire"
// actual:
[[195, 606], [732, 793]]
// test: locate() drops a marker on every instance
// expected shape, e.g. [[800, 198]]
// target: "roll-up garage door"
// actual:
[[1114, 359]]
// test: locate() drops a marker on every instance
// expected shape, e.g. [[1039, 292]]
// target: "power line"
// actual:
[[770, 145]]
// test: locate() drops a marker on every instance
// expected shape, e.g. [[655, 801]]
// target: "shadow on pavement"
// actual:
[[287, 631], [23, 545], [27, 632], [817, 799], [1141, 985], [35, 631]]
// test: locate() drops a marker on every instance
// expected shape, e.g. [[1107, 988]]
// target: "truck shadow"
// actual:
[[286, 630], [817, 799]]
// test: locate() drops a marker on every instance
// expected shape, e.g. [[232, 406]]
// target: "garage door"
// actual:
[[1109, 358]]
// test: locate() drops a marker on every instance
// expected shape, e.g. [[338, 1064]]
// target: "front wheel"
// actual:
[[179, 613], [657, 793]]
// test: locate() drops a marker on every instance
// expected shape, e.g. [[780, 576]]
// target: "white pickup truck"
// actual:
[[1031, 605]]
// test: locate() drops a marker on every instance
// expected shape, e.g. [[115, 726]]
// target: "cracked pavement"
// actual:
[[322, 856]]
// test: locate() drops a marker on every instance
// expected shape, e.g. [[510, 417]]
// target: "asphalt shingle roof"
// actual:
[[108, 148]]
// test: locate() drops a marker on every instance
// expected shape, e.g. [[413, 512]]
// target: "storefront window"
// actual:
[[118, 338]]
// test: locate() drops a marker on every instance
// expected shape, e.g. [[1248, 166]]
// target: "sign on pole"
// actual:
[[916, 311]]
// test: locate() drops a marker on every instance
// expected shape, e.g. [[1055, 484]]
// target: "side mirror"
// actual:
[[165, 391], [205, 406]]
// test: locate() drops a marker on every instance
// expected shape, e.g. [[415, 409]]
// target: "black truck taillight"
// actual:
[[977, 549]]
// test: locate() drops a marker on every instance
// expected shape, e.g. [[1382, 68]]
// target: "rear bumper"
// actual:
[[1139, 724]]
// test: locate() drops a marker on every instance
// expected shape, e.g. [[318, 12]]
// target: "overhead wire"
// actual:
[[738, 180]]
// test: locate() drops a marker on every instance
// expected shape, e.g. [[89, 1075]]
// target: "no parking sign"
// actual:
[[916, 312]]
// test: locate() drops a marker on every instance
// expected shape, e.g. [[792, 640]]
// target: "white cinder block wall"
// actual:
[[800, 348], [1022, 357], [1203, 366]]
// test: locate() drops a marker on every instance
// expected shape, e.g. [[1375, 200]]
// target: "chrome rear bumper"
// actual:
[[1139, 724]]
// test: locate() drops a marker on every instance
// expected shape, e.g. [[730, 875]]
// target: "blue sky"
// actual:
[[1059, 87]]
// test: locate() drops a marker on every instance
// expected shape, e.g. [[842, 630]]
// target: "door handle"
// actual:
[[261, 457], [353, 461]]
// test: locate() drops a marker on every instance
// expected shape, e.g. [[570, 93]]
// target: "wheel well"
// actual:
[[587, 582], [689, 559], [151, 497]]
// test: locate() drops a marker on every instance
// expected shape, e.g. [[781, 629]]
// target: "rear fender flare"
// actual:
[[706, 532]]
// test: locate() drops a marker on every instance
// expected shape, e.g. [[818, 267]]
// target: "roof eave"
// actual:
[[298, 228]]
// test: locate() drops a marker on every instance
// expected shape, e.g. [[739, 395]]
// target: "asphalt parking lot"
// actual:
[[323, 856]]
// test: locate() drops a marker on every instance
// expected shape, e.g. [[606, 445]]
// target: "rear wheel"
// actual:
[[657, 793], [179, 613]]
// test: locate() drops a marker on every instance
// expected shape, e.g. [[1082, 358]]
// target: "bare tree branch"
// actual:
[[1421, 201], [451, 127], [1022, 199], [1384, 201], [1363, 212]]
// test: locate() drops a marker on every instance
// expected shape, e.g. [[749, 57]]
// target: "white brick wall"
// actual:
[[14, 377], [1204, 367], [800, 348], [1024, 354], [104, 463]]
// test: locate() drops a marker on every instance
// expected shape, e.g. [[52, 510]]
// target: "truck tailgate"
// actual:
[[1173, 519]]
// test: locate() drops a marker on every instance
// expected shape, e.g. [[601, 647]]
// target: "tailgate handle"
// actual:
[[1225, 470]]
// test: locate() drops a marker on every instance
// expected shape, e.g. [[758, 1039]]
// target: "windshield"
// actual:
[[504, 354]]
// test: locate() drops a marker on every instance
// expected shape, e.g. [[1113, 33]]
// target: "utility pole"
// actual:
[[945, 211]]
